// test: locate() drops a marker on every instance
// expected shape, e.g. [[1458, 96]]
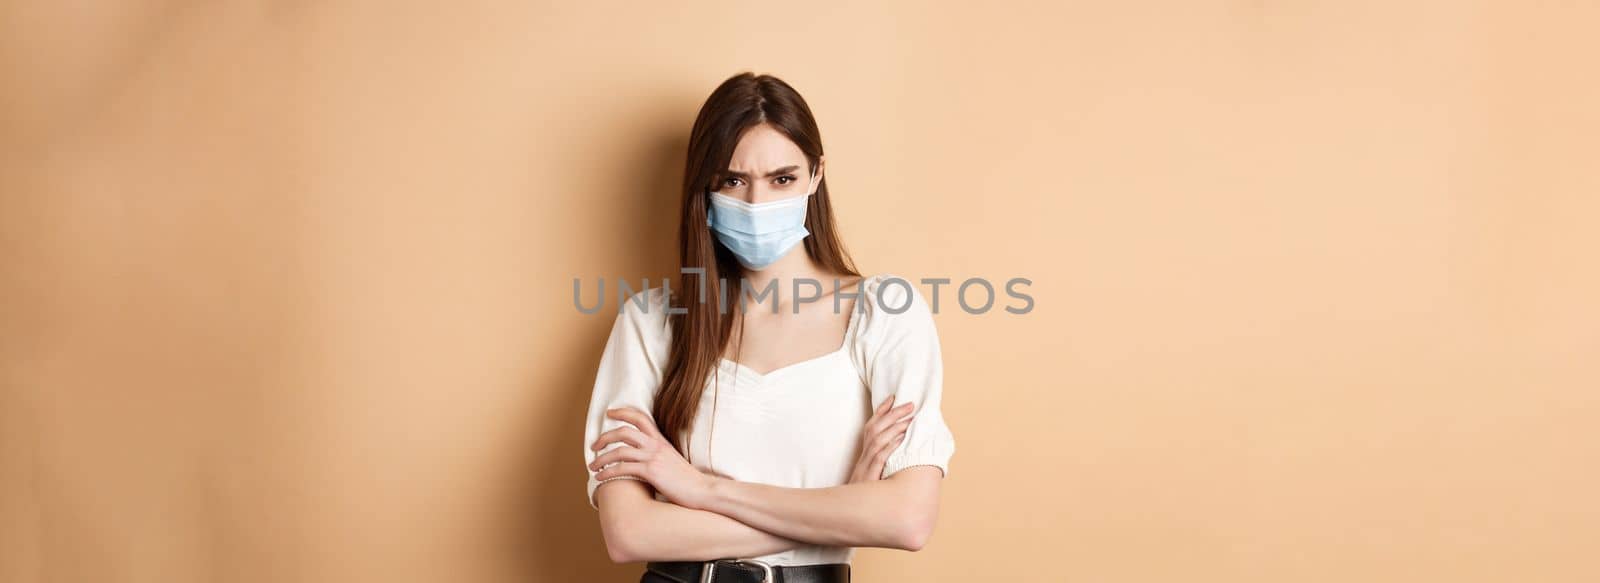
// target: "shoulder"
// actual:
[[895, 332], [647, 310], [641, 333], [892, 305], [888, 294]]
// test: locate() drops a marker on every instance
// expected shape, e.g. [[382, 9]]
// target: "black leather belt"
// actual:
[[749, 571]]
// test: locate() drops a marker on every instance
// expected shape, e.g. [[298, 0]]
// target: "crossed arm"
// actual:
[[637, 527], [709, 517]]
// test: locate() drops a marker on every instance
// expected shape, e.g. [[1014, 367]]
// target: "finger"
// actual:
[[638, 418], [879, 412], [901, 409], [626, 434], [888, 448], [882, 424], [902, 423], [877, 443], [630, 454], [890, 433], [634, 469], [871, 440], [884, 407], [877, 421], [636, 454], [879, 460]]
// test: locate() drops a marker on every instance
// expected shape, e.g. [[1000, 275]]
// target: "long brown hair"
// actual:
[[701, 333]]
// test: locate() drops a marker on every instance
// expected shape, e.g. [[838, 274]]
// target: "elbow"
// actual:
[[913, 538], [626, 520], [618, 553], [618, 547], [913, 530], [616, 550], [913, 518]]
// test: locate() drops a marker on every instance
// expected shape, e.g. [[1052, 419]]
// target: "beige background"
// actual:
[[286, 286]]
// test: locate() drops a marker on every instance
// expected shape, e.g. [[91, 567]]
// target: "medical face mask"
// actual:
[[761, 233]]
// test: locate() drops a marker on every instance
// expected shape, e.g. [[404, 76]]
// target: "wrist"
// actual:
[[709, 491]]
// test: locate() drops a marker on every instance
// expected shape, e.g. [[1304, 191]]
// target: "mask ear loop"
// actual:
[[705, 198]]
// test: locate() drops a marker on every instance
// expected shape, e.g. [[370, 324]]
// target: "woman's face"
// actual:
[[767, 166]]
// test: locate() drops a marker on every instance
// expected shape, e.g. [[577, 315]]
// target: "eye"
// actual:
[[731, 182], [788, 177]]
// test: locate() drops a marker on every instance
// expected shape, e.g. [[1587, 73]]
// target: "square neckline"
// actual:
[[844, 343]]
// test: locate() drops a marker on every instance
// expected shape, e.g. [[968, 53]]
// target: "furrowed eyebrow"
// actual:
[[778, 172]]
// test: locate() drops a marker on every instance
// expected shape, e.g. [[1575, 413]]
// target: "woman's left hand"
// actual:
[[650, 458]]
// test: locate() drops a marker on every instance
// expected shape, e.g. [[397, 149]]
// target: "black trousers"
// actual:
[[652, 577]]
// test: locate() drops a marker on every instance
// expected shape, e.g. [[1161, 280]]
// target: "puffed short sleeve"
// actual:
[[898, 348], [630, 373]]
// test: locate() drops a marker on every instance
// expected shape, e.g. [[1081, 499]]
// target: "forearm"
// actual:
[[647, 529], [862, 514]]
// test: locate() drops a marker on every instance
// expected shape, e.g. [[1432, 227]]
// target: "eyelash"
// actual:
[[788, 176]]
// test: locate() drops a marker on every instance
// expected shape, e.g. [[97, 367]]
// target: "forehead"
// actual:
[[763, 148]]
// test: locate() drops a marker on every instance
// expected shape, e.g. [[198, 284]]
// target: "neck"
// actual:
[[796, 265]]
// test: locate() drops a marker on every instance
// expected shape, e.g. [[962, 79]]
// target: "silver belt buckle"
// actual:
[[711, 567]]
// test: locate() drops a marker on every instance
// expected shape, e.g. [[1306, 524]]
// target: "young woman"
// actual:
[[741, 432]]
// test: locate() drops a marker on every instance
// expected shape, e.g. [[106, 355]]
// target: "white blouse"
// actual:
[[798, 426]]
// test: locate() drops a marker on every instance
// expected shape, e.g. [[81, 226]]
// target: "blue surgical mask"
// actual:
[[759, 234]]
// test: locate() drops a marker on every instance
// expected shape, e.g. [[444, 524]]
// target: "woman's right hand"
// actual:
[[882, 434]]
